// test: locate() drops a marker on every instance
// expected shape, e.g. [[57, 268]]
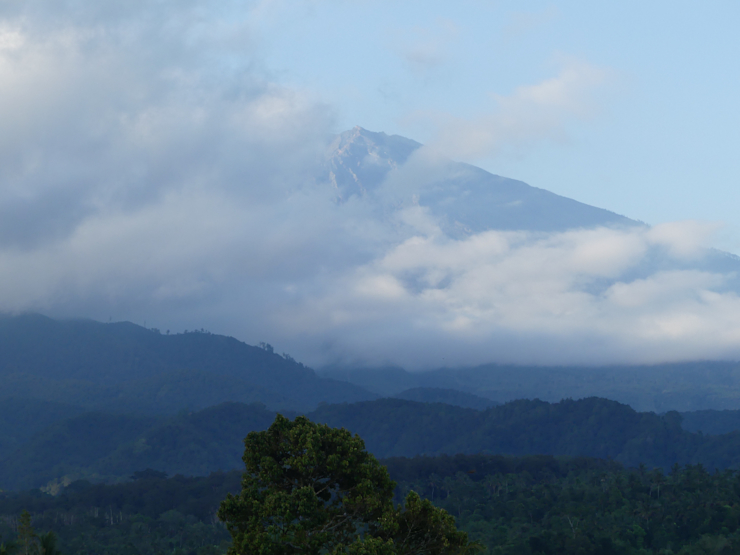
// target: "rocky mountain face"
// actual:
[[387, 168], [393, 171]]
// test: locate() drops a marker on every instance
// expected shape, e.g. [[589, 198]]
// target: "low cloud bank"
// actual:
[[151, 171]]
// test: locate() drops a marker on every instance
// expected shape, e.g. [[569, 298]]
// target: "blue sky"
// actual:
[[661, 137]]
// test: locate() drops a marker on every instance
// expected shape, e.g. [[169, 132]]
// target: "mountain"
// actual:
[[393, 171], [21, 419], [466, 198], [127, 368]]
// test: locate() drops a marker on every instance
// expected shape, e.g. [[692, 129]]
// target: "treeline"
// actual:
[[539, 505], [148, 515], [536, 505]]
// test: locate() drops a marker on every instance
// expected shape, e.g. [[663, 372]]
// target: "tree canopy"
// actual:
[[312, 489]]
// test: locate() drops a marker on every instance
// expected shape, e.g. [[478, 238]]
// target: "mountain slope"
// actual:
[[466, 198], [125, 367]]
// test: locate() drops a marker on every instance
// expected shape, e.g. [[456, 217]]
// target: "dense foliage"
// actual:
[[540, 505], [306, 489], [310, 489], [104, 447], [148, 515], [129, 368]]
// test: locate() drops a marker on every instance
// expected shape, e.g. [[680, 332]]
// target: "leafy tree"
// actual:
[[313, 489]]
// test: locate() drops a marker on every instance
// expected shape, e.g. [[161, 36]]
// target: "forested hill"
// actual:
[[111, 447], [591, 427], [125, 367]]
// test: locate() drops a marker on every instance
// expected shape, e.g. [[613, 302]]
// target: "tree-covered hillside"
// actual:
[[97, 446], [128, 368]]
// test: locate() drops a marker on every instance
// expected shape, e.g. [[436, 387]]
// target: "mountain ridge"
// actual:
[[125, 367]]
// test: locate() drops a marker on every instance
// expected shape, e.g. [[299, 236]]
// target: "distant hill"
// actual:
[[105, 447], [465, 198], [591, 427], [22, 419], [128, 368], [447, 396], [683, 387], [112, 447], [711, 422]]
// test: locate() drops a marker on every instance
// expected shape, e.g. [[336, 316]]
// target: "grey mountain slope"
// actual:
[[464, 197]]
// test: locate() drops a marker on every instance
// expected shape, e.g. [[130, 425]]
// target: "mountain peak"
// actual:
[[463, 198], [360, 159]]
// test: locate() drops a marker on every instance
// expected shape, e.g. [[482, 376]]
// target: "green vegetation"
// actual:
[[310, 489], [541, 505], [149, 515], [512, 505], [127, 368]]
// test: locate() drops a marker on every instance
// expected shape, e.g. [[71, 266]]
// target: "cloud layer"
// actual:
[[151, 170]]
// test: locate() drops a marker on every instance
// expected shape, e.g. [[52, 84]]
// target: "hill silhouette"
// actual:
[[128, 368], [113, 447]]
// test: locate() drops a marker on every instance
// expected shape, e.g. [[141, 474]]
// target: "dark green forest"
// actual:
[[512, 505]]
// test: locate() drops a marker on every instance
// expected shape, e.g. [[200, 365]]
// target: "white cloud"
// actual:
[[426, 48], [683, 239], [471, 296], [529, 115]]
